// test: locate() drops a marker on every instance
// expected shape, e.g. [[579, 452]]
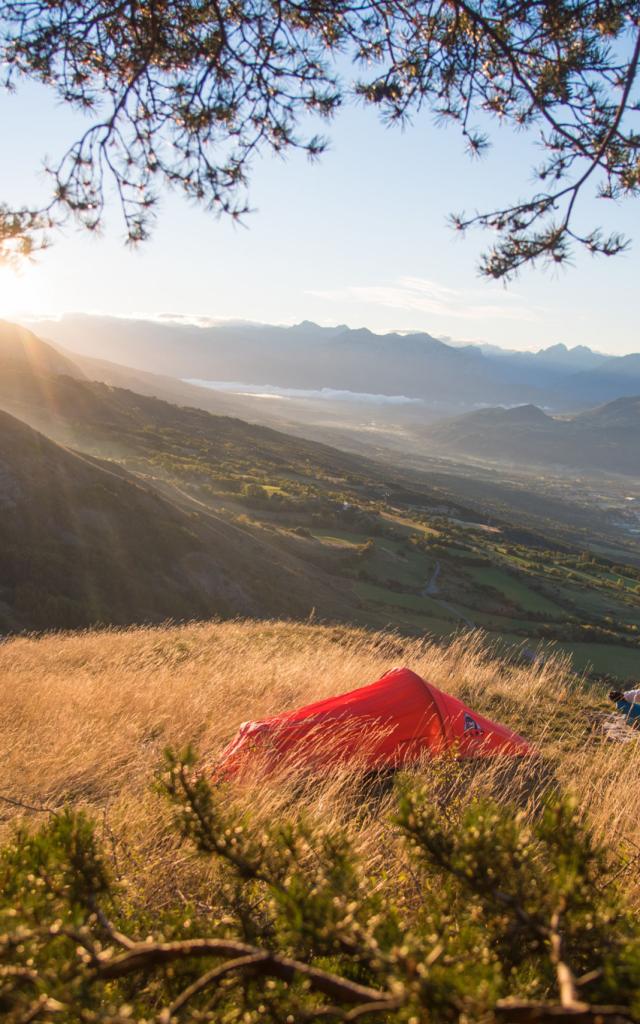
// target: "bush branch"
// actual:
[[146, 956]]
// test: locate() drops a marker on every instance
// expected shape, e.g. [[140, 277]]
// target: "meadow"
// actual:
[[88, 715]]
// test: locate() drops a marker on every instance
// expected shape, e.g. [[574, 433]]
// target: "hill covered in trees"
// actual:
[[606, 438]]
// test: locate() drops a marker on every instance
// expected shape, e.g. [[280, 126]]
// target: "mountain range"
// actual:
[[445, 377], [105, 408]]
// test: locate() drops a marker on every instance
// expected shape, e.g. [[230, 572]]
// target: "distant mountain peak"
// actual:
[[558, 349], [575, 359], [528, 411], [562, 350]]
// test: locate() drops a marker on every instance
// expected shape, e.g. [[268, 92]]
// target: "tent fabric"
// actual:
[[630, 710], [395, 721]]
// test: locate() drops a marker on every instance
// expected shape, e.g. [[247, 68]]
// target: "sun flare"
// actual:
[[25, 291]]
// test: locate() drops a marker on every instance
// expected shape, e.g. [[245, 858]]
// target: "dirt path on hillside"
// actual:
[[432, 590]]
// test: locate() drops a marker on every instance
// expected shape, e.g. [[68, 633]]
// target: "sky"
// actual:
[[361, 238]]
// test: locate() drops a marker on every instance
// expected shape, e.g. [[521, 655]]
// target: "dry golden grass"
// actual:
[[86, 718]]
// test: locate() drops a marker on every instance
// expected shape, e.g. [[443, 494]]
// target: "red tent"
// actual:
[[392, 722]]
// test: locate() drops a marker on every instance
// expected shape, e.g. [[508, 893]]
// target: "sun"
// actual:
[[25, 291]]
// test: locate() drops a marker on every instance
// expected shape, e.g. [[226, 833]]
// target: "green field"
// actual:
[[607, 659], [393, 569], [380, 595], [516, 591]]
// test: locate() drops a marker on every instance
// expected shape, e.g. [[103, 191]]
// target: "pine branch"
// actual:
[[146, 956], [541, 1013]]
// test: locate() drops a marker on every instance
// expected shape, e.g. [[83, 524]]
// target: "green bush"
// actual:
[[488, 915]]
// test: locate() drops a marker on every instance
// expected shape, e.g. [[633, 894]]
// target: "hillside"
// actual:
[[616, 377], [23, 351], [623, 415], [113, 418], [320, 416], [606, 438], [362, 543], [169, 389], [84, 542], [86, 719], [303, 527], [135, 880]]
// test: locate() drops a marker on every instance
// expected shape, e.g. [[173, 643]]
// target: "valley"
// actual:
[[292, 526]]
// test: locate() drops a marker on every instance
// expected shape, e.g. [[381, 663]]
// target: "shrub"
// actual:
[[492, 914]]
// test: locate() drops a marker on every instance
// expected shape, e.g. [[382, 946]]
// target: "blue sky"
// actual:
[[359, 238]]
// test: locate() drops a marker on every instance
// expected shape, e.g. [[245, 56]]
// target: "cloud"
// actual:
[[191, 319], [419, 294], [320, 394]]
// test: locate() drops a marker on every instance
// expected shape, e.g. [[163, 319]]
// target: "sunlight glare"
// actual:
[[25, 291]]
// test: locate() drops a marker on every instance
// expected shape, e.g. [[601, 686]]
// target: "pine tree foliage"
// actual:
[[187, 93], [490, 914]]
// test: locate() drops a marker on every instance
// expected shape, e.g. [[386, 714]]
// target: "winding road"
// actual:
[[432, 590]]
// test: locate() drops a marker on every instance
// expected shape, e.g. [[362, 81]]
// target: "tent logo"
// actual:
[[470, 725]]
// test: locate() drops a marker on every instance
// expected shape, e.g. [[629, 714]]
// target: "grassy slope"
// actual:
[[84, 542], [116, 421], [24, 351], [86, 718]]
